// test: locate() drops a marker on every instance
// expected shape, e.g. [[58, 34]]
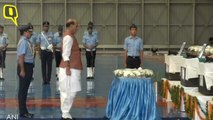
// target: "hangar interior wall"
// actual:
[[161, 23]]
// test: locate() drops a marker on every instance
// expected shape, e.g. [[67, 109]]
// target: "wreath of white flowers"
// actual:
[[195, 48], [133, 73], [209, 50]]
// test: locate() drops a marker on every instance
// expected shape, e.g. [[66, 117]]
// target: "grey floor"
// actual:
[[105, 64]]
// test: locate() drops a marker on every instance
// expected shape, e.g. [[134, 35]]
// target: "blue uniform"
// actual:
[[25, 48], [94, 32], [3, 40], [133, 45], [45, 40], [57, 40], [33, 38], [90, 40], [3, 43]]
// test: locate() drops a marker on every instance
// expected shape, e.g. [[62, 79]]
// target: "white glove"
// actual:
[[140, 68], [50, 47]]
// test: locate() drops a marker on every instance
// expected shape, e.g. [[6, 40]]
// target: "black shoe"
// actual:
[[27, 115], [45, 82], [48, 82], [105, 118], [90, 78]]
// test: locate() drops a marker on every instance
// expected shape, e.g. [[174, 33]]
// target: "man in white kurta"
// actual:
[[70, 69]]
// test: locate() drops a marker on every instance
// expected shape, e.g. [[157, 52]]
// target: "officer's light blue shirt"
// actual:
[[33, 38], [25, 48], [94, 32], [3, 39], [57, 40], [45, 39], [133, 45], [90, 40]]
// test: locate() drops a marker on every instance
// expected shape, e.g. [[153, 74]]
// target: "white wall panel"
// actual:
[[104, 19], [181, 14], [180, 34], [204, 22], [156, 21], [54, 13], [203, 33], [80, 12], [10, 30], [106, 35], [181, 26], [155, 35], [128, 14], [29, 13]]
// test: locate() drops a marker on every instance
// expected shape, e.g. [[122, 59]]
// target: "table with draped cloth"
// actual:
[[132, 99]]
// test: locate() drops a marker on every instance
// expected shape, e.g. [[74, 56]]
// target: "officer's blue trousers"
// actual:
[[46, 65], [24, 83]]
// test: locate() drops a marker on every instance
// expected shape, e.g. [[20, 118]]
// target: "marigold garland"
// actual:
[[197, 104], [209, 113], [191, 103], [175, 95], [164, 89]]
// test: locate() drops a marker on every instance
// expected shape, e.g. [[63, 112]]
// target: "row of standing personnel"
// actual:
[[69, 72], [49, 47]]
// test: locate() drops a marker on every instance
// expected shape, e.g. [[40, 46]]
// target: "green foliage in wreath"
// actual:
[[175, 95], [162, 89], [189, 106]]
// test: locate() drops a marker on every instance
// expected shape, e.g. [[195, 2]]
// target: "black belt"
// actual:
[[58, 50], [27, 63], [134, 57], [47, 50]]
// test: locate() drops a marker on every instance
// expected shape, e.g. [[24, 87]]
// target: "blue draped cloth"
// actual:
[[132, 99]]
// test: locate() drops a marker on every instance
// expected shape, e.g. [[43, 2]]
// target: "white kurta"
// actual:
[[68, 85]]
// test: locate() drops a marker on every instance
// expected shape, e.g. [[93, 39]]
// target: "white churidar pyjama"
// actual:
[[68, 86]]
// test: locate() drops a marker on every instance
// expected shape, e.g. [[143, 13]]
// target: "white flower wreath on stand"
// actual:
[[133, 73], [209, 50], [195, 48]]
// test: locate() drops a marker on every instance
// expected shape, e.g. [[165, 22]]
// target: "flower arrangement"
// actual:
[[193, 51], [164, 91], [191, 103], [209, 50], [195, 48], [133, 73], [176, 95]]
